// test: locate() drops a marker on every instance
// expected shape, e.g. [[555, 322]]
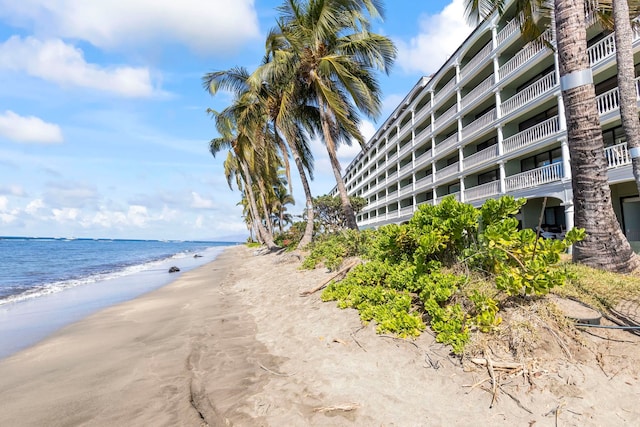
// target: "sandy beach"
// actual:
[[234, 343]]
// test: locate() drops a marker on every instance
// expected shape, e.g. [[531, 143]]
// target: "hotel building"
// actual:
[[491, 122]]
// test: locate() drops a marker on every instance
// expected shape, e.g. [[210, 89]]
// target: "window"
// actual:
[[486, 144], [453, 188], [551, 112], [535, 78], [613, 136], [490, 176], [542, 159]]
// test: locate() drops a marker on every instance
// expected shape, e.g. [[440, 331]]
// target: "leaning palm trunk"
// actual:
[[308, 231], [267, 238], [605, 246], [627, 83], [347, 209]]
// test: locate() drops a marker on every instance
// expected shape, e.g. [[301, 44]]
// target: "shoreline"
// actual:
[[234, 343], [26, 322]]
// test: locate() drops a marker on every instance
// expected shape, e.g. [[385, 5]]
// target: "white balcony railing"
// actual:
[[422, 113], [529, 51], [446, 116], [480, 157], [445, 90], [405, 211], [424, 181], [528, 94], [405, 190], [610, 100], [479, 124], [602, 49], [617, 155], [478, 58], [478, 91], [512, 27], [531, 135], [424, 158], [455, 195], [482, 191], [447, 171], [534, 177], [423, 135], [405, 149], [446, 144]]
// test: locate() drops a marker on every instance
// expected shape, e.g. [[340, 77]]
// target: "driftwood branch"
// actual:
[[338, 276], [346, 407]]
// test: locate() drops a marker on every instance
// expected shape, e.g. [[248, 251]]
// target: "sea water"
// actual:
[[47, 283]]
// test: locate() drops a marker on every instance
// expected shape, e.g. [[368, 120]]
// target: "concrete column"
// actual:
[[562, 119], [503, 175], [566, 164], [568, 218], [462, 189]]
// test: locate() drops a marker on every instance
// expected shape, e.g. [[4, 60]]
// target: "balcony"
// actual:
[[447, 171], [406, 211], [479, 124], [405, 149], [534, 177], [617, 155], [478, 58], [424, 158], [511, 28], [446, 90], [407, 189], [477, 91], [530, 51], [424, 182], [424, 111], [455, 195], [529, 94], [483, 191], [444, 118], [423, 135], [480, 157], [610, 100], [531, 135], [452, 141], [602, 50]]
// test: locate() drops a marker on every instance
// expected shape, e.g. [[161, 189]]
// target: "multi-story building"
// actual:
[[491, 122]]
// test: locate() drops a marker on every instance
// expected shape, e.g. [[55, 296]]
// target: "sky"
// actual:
[[103, 124]]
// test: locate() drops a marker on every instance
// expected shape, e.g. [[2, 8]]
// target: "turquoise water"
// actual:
[[46, 284]]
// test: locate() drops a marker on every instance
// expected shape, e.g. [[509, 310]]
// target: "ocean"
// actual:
[[47, 283]]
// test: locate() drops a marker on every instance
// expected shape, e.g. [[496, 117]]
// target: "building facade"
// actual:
[[491, 122]]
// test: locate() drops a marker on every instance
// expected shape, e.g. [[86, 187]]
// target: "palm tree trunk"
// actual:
[[266, 236], [308, 231], [347, 209], [627, 84], [605, 246]]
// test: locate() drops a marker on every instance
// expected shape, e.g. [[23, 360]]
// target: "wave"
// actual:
[[54, 287]]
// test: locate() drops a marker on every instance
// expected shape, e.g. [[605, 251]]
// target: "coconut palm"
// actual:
[[289, 122], [241, 162], [605, 246], [327, 47]]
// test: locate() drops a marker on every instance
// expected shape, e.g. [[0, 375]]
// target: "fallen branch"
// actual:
[[353, 336], [274, 372], [341, 274], [497, 364], [515, 399], [494, 381], [346, 407]]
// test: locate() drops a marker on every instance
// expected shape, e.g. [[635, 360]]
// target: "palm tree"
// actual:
[[289, 122], [605, 246], [241, 157], [327, 46]]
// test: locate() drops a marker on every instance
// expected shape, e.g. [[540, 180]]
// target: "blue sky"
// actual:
[[103, 130]]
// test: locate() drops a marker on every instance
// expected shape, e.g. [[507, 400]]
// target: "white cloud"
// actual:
[[28, 129], [440, 35], [203, 25], [54, 60], [199, 202], [13, 190], [65, 214], [4, 203], [34, 206]]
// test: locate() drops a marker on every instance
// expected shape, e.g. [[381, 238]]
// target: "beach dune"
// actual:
[[234, 343]]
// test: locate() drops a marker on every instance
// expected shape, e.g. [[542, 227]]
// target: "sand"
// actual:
[[233, 343]]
